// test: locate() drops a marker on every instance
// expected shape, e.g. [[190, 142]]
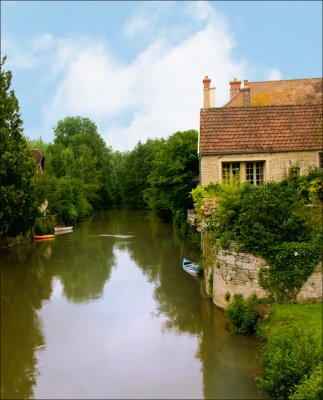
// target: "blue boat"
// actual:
[[190, 266]]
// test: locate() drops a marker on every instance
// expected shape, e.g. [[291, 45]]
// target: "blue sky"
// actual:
[[136, 68]]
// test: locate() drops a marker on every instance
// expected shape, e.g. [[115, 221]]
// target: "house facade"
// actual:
[[265, 129]]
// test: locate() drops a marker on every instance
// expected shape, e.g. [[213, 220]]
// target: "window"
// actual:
[[230, 169], [294, 171], [321, 161], [255, 172]]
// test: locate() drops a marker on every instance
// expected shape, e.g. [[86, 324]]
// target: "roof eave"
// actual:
[[219, 153]]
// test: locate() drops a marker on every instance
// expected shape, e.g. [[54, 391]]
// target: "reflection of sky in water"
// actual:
[[116, 317], [115, 347]]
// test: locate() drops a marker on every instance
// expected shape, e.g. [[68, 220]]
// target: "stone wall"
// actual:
[[236, 272], [229, 271], [276, 164], [312, 289]]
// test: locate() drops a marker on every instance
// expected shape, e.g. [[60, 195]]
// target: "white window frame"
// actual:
[[243, 167]]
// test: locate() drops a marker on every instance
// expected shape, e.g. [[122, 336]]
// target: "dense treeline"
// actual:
[[78, 175], [18, 200], [82, 174]]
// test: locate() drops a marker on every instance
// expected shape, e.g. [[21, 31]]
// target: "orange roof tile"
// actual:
[[284, 92], [261, 129]]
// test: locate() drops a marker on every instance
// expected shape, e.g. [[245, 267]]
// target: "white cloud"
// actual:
[[18, 58], [274, 75], [154, 95], [29, 55], [160, 91], [136, 25]]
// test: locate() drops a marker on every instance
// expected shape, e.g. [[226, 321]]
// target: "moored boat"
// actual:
[[43, 237], [190, 266], [59, 229]]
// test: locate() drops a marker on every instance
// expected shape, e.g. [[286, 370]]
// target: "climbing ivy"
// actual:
[[277, 221]]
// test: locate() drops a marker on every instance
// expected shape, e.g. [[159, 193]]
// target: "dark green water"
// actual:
[[107, 312]]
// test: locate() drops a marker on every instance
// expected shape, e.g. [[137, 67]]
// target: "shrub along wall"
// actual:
[[278, 229], [230, 271]]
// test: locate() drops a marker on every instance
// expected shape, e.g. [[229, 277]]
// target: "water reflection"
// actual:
[[23, 288], [107, 312]]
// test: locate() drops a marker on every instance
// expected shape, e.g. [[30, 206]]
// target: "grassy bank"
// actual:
[[292, 352]]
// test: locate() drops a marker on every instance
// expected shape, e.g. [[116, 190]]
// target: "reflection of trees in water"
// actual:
[[229, 360], [83, 266], [25, 283], [158, 250], [83, 262]]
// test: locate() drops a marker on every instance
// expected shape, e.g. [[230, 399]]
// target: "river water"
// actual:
[[106, 311]]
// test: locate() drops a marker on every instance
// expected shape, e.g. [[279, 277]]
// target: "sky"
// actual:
[[135, 68]]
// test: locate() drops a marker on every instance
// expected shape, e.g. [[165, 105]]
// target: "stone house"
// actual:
[[264, 130]]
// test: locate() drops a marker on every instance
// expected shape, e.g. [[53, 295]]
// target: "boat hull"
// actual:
[[44, 237], [58, 229], [190, 267]]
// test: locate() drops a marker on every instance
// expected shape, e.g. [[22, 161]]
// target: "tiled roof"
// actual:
[[37, 155], [259, 129], [295, 91]]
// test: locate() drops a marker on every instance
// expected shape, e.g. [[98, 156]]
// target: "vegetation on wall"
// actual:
[[277, 221]]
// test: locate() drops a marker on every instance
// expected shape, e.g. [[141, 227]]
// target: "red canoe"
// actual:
[[41, 237]]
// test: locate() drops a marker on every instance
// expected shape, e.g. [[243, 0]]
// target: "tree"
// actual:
[[79, 174], [90, 159], [18, 205], [172, 176], [134, 171]]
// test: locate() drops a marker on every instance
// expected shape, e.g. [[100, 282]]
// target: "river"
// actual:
[[106, 311]]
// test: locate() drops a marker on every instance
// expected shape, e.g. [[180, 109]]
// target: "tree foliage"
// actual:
[[134, 171], [18, 204], [79, 170], [172, 176]]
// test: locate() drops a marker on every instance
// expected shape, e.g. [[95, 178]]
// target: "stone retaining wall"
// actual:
[[230, 271]]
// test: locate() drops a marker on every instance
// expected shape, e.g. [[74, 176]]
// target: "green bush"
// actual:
[[200, 193], [243, 313], [273, 221], [291, 264], [270, 214], [310, 387], [222, 222], [291, 354], [287, 357]]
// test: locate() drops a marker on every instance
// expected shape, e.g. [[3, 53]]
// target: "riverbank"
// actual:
[[291, 352]]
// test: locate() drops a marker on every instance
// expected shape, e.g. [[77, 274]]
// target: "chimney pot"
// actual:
[[206, 82], [245, 83], [209, 93], [234, 87]]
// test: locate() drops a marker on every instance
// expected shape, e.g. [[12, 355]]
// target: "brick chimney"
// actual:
[[234, 88], [246, 93], [209, 93]]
